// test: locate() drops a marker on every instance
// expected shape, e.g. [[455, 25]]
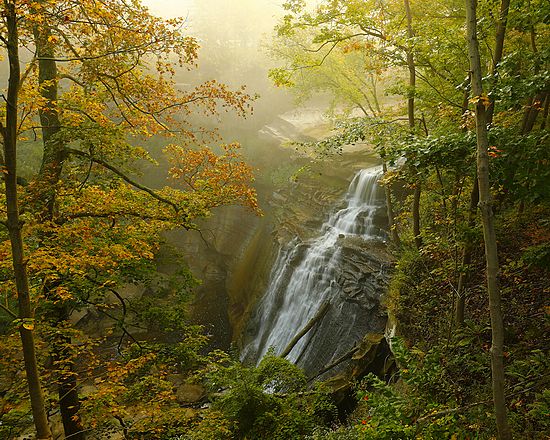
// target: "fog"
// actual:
[[231, 34], [236, 12]]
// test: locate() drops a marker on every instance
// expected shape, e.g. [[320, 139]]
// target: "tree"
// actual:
[[381, 36], [411, 65], [14, 222], [508, 134], [489, 235], [99, 81], [350, 75], [474, 197]]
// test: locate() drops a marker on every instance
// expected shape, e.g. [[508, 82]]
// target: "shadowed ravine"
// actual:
[[338, 267]]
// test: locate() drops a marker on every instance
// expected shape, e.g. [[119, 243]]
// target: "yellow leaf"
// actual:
[[28, 326]]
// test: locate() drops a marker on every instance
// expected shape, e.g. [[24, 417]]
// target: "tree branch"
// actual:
[[73, 79], [8, 311], [125, 177], [107, 215], [451, 411]]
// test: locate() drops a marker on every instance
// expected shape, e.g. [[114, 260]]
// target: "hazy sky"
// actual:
[[179, 8], [168, 8], [231, 34]]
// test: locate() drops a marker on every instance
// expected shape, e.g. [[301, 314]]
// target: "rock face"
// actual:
[[343, 263], [303, 125], [216, 256], [236, 251], [355, 313], [234, 254]]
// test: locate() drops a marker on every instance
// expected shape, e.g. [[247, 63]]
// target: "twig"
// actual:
[[124, 177], [451, 411], [8, 311]]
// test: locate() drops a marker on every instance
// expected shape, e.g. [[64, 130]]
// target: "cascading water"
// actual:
[[306, 276]]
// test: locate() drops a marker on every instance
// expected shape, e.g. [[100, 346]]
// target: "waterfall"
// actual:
[[305, 275]]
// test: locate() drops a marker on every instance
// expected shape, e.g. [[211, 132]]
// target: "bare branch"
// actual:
[[451, 411], [73, 79], [125, 177], [108, 215], [27, 71], [8, 311]]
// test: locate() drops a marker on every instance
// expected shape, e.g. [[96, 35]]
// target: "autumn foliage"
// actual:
[[98, 84]]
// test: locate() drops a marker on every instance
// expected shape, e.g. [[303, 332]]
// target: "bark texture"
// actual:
[[51, 168], [54, 154], [460, 310], [9, 132], [489, 235], [389, 210], [410, 111]]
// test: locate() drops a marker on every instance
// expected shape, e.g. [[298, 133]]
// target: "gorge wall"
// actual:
[[235, 252]]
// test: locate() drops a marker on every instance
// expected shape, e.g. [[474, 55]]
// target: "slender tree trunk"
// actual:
[[375, 95], [410, 112], [460, 306], [389, 210], [69, 401], [489, 235], [545, 114], [411, 66], [14, 227], [499, 50], [50, 172], [416, 214], [460, 309], [536, 102], [532, 111]]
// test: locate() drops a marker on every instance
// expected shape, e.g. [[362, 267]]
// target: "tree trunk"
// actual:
[[50, 172], [318, 317], [411, 66], [69, 402], [54, 151], [460, 309], [489, 235], [532, 111], [14, 228], [410, 111], [416, 214], [389, 210], [499, 50], [460, 306], [545, 114]]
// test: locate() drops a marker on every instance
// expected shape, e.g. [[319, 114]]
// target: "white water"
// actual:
[[298, 288]]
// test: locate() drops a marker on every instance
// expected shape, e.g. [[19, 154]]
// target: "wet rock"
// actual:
[[371, 355], [356, 274]]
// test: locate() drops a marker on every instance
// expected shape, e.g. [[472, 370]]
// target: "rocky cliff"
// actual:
[[235, 252]]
